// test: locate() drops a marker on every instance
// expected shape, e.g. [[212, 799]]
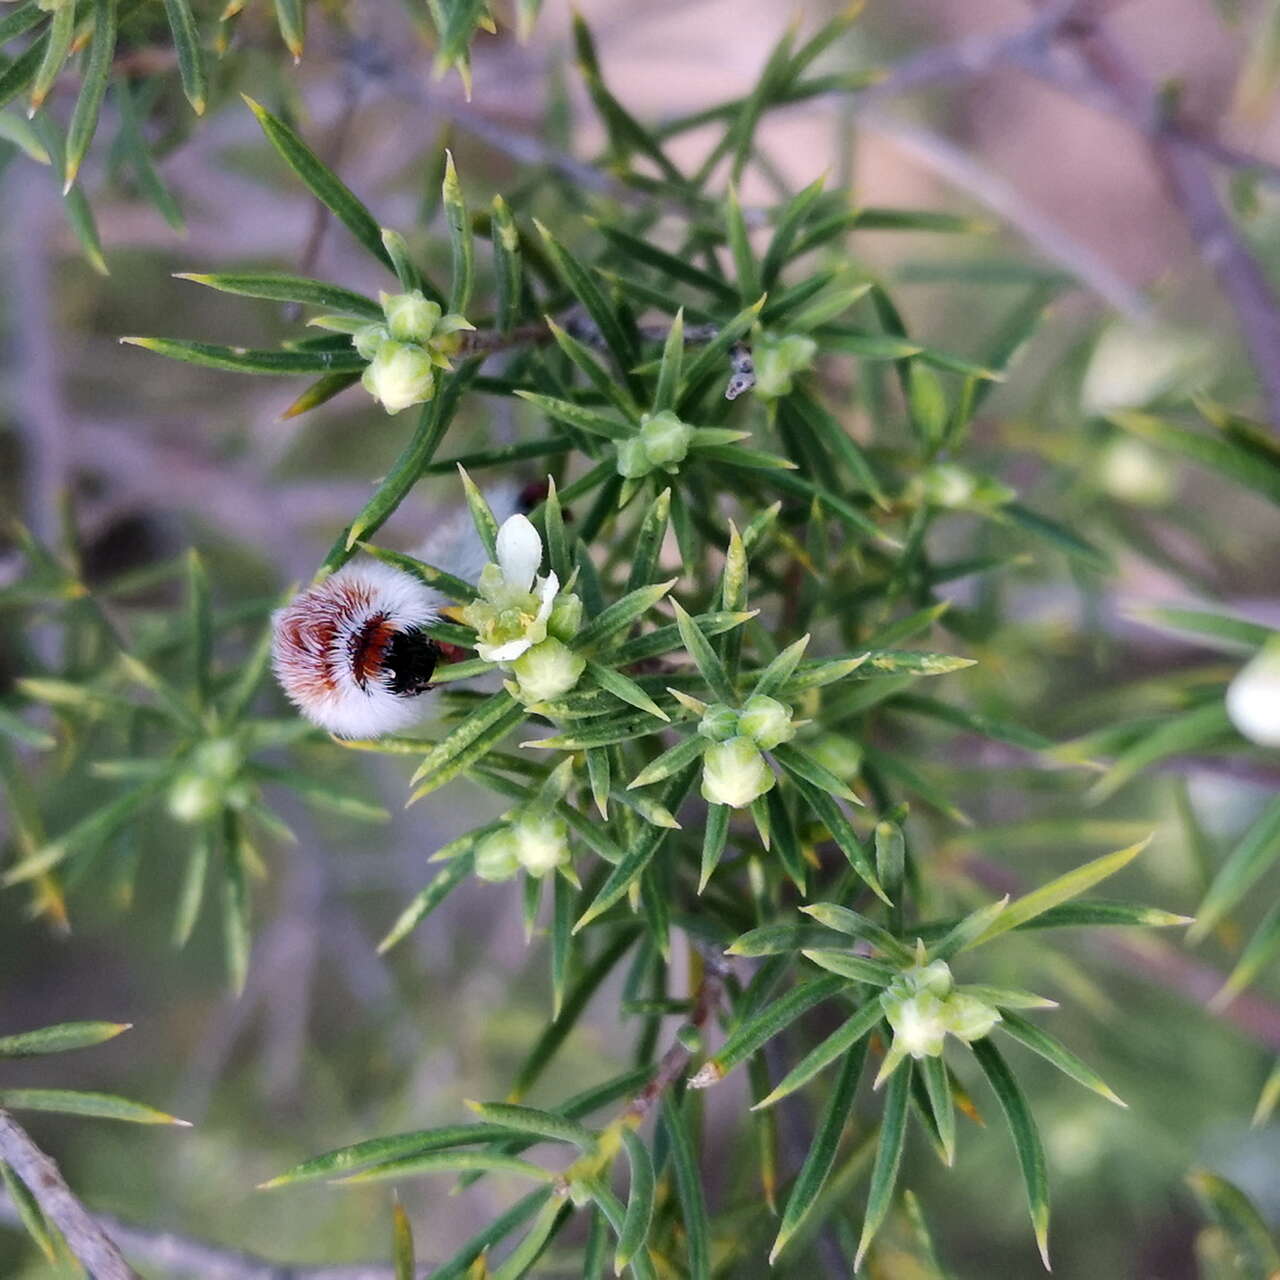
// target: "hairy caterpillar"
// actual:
[[350, 652]]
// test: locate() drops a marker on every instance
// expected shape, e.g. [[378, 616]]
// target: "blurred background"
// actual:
[[330, 1042]]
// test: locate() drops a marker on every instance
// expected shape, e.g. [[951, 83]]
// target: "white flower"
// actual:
[[400, 375], [1134, 472], [1253, 697], [541, 842], [735, 773], [515, 605], [547, 670], [919, 1025], [766, 721]]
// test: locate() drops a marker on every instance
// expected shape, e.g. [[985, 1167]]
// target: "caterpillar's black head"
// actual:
[[410, 661]]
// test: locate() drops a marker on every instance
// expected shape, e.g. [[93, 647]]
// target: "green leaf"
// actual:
[[621, 614], [449, 1162], [394, 1147], [1064, 539], [60, 1038], [635, 1225], [748, 1035], [1242, 465], [853, 925], [712, 359], [236, 940], [704, 656], [822, 1153], [714, 836], [781, 938], [802, 765], [677, 268], [874, 973], [461, 242], [648, 545], [508, 267], [884, 1173], [617, 337], [457, 870], [135, 148], [323, 183], [93, 86], [542, 1124], [968, 930], [459, 1265], [1218, 630], [292, 21], [697, 1229], [841, 1041], [1056, 892], [19, 74], [1178, 735], [1026, 1138], [1256, 851], [56, 45], [551, 1217], [671, 761], [665, 639], [284, 288], [1255, 1251], [70, 1102], [832, 817], [1054, 1051], [937, 1083], [246, 360], [186, 41]]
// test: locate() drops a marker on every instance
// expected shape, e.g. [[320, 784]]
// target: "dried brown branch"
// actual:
[[84, 1235]]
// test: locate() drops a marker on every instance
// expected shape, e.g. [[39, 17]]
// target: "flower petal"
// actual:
[[519, 552], [508, 652]]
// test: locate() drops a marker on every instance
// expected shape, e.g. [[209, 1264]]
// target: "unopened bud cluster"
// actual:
[[534, 841], [404, 351], [661, 443], [778, 359], [734, 770], [210, 781], [923, 1007]]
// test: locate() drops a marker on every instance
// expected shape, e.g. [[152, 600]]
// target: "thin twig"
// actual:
[[84, 1235], [175, 1255]]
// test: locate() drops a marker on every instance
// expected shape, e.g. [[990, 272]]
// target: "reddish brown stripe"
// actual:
[[368, 648]]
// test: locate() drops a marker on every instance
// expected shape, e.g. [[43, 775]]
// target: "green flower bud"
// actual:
[[369, 339], [719, 723], [766, 721], [778, 360], [841, 755], [735, 773], [968, 1018], [400, 376], [934, 978], [566, 617], [497, 856], [633, 461], [665, 439], [541, 842], [948, 485], [410, 316], [194, 797], [547, 671], [919, 1025]]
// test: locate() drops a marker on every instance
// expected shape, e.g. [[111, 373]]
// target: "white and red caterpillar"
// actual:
[[350, 651]]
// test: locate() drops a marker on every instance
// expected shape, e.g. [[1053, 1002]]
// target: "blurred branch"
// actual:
[[85, 1236], [957, 167], [177, 1255], [1190, 181]]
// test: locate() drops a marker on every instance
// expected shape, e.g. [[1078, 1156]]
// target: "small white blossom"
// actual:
[[400, 375], [541, 842], [919, 1025], [735, 773], [547, 671], [1253, 697], [512, 613]]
